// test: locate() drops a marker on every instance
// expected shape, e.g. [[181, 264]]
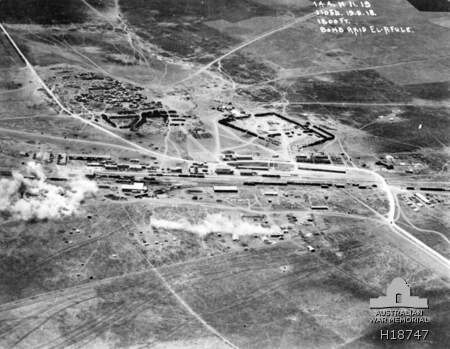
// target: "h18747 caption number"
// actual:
[[400, 335]]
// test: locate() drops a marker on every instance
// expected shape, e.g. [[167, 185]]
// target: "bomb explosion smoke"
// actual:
[[214, 223], [29, 196]]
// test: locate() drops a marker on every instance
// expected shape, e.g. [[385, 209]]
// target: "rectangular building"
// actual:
[[137, 187], [89, 157], [224, 171], [319, 207], [225, 189], [271, 193], [422, 198]]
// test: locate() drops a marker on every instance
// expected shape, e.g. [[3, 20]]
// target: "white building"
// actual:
[[271, 193], [225, 189], [422, 198], [137, 187]]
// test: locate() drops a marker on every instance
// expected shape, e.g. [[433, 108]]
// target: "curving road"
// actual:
[[389, 219], [245, 44]]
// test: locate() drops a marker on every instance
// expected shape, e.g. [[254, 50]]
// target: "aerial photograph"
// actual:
[[216, 174]]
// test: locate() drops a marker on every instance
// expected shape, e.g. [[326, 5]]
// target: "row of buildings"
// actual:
[[313, 158]]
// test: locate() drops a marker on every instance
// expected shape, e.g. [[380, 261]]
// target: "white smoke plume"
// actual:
[[34, 198], [215, 223]]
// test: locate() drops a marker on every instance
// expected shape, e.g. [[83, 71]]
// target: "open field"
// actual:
[[434, 91], [9, 57], [116, 313], [422, 5], [219, 174], [360, 87], [397, 123], [310, 52], [293, 296], [42, 12], [155, 22], [280, 310]]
